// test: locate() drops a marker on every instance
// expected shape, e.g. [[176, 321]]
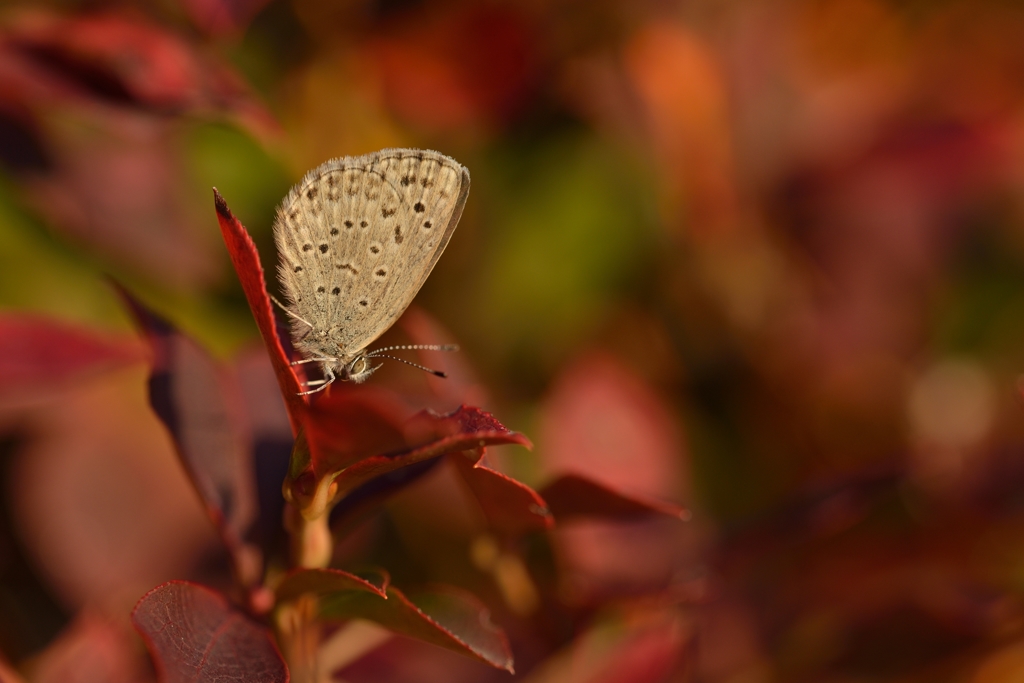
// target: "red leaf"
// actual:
[[466, 429], [511, 508], [122, 60], [604, 422], [355, 437], [92, 105], [575, 496], [37, 353], [352, 424], [445, 617], [194, 636], [358, 432], [220, 17], [327, 581], [250, 273], [195, 399]]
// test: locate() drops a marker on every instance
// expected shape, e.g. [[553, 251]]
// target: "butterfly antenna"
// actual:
[[414, 347], [436, 373], [286, 310]]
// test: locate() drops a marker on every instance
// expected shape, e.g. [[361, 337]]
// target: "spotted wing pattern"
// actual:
[[358, 236]]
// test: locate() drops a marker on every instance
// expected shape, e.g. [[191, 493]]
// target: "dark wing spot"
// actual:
[[321, 289], [387, 213], [381, 272], [348, 224], [323, 248], [298, 269], [364, 302], [375, 249], [312, 192], [336, 291], [419, 208], [406, 180], [363, 224], [348, 266], [398, 234], [293, 215], [418, 155], [428, 225], [331, 181], [334, 231], [351, 190], [426, 182], [307, 247]]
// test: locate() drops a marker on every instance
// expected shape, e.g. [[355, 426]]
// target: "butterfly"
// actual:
[[356, 239]]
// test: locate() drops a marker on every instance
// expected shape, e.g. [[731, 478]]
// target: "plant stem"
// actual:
[[300, 638]]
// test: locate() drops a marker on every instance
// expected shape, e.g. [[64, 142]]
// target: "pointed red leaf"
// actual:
[[246, 260], [465, 429], [574, 496], [327, 581], [445, 617], [36, 352], [354, 438], [511, 508], [195, 636], [199, 404]]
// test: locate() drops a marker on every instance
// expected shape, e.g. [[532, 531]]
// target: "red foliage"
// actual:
[[199, 404], [474, 64], [446, 617], [511, 508], [247, 264], [117, 59], [602, 420], [323, 582], [575, 496], [351, 441], [196, 637], [424, 437], [221, 17], [39, 353]]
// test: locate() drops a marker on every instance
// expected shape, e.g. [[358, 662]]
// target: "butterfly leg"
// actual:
[[313, 360], [320, 384]]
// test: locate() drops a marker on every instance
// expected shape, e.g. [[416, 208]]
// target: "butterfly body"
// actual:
[[357, 237]]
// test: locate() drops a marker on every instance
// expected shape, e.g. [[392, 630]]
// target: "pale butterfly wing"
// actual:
[[358, 236]]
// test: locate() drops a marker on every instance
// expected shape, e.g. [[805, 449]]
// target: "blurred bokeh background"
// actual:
[[765, 259]]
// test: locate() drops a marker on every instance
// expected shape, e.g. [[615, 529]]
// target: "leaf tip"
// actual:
[[221, 205]]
